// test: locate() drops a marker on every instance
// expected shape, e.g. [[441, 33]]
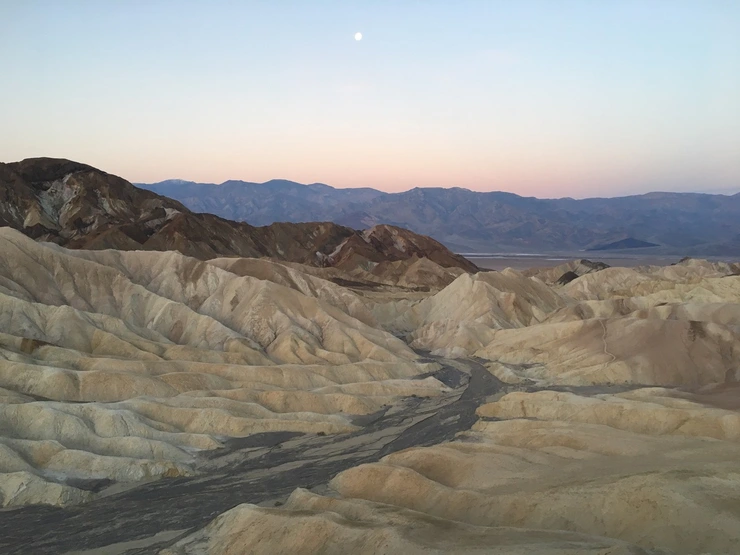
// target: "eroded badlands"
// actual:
[[427, 409]]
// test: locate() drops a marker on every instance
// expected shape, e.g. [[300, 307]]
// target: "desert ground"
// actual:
[[623, 259], [151, 402]]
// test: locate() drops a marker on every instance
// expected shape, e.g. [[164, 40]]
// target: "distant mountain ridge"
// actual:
[[628, 243], [469, 221], [265, 203], [78, 206]]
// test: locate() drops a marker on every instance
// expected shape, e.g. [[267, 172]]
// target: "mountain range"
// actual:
[[469, 221], [77, 206]]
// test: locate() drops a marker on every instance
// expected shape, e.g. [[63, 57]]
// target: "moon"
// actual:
[[358, 36]]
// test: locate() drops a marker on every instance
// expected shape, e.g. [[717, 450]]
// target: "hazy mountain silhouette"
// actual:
[[628, 243], [465, 220]]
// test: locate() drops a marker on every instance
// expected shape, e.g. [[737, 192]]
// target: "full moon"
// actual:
[[358, 36]]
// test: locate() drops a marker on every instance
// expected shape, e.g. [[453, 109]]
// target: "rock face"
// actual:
[[78, 206], [60, 200]]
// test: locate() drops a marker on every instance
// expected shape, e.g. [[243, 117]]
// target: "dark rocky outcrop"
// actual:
[[78, 206], [567, 277]]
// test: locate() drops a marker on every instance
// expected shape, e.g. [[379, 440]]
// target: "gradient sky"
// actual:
[[546, 98]]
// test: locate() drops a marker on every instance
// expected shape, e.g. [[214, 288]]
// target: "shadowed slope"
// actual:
[[78, 206]]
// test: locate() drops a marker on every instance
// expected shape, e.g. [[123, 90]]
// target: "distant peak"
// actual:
[[177, 181], [48, 169]]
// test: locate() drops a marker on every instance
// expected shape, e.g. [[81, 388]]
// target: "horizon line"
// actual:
[[725, 192]]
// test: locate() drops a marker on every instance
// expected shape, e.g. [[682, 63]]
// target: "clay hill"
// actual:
[[78, 206], [470, 221]]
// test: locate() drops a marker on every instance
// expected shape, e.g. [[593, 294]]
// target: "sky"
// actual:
[[544, 98]]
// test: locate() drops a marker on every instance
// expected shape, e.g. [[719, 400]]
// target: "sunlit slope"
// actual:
[[122, 365], [647, 471]]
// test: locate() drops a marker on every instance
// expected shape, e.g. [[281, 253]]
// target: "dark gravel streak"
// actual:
[[247, 471]]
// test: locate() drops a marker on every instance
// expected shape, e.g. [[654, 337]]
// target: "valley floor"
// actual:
[[529, 261]]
